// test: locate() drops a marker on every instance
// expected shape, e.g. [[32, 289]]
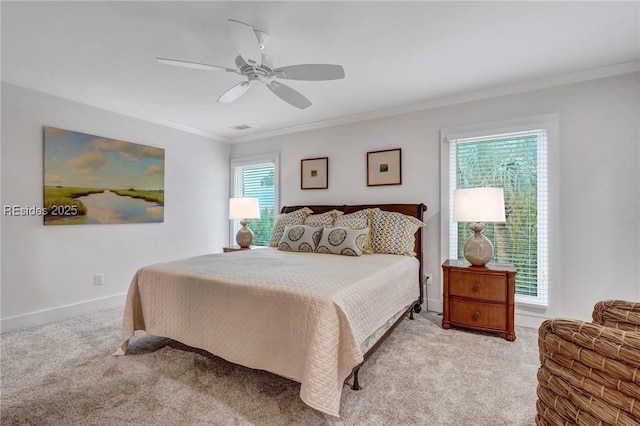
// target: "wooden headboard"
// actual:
[[415, 210]]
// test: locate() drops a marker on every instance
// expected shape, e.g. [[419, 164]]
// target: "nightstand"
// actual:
[[479, 297], [234, 248]]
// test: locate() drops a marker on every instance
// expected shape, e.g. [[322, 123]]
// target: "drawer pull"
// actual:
[[476, 315], [476, 287]]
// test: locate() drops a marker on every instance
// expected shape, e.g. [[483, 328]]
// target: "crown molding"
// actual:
[[118, 109], [494, 92]]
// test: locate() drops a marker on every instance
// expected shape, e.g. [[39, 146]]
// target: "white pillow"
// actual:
[[300, 238], [342, 240]]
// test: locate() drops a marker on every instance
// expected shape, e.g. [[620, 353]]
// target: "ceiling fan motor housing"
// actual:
[[257, 74]]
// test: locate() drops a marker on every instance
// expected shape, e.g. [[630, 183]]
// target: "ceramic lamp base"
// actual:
[[478, 250], [244, 237]]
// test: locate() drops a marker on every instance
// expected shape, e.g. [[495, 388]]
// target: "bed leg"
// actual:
[[356, 384], [411, 314]]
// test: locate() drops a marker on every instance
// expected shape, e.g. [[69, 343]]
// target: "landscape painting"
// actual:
[[94, 180]]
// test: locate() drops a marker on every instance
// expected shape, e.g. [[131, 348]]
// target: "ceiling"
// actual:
[[395, 54]]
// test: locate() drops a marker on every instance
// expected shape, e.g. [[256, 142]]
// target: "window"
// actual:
[[256, 177], [516, 161]]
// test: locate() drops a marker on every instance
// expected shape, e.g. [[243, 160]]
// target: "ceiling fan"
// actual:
[[259, 70]]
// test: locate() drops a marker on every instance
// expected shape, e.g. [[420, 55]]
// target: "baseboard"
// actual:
[[528, 320], [54, 314], [433, 305]]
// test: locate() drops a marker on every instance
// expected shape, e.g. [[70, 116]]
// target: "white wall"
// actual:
[[595, 254], [47, 272]]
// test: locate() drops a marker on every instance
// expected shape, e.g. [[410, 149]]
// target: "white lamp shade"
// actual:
[[244, 208], [478, 205]]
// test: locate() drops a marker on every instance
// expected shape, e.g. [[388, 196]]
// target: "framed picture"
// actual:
[[314, 173], [91, 179], [384, 167]]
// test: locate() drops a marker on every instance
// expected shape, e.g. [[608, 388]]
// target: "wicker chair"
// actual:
[[590, 372]]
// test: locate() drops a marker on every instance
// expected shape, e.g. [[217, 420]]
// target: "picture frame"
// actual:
[[384, 167], [93, 180], [314, 173]]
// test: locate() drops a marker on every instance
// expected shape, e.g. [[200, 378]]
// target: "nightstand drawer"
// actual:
[[478, 314], [478, 286]]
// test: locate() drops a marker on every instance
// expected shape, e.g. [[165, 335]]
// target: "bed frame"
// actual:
[[415, 210]]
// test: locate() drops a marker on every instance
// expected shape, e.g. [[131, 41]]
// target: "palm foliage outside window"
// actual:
[[516, 162]]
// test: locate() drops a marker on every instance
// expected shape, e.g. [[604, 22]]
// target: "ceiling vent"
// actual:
[[241, 127]]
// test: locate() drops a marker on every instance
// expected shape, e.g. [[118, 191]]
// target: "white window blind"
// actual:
[[516, 162], [256, 178]]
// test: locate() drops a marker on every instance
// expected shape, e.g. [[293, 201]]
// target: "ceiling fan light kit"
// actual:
[[258, 68]]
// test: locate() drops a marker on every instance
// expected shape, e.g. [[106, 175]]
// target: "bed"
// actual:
[[310, 317]]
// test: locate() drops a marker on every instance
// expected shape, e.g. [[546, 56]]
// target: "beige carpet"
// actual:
[[63, 374]]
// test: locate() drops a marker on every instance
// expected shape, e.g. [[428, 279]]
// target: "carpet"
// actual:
[[63, 374]]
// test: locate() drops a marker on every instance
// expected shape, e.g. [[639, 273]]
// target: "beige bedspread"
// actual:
[[299, 315]]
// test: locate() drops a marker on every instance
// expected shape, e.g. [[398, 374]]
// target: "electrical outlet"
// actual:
[[98, 279], [428, 278]]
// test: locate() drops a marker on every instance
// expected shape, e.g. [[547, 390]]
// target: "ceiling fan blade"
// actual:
[[194, 65], [246, 41], [311, 72], [234, 92], [289, 95], [240, 62]]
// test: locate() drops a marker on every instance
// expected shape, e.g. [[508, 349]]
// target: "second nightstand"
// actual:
[[234, 248], [479, 297]]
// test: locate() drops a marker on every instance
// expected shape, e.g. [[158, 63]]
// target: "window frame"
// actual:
[[234, 183], [547, 122]]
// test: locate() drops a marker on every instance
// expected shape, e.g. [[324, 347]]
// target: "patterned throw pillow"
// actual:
[[393, 233], [358, 220], [300, 238], [342, 240], [322, 219], [283, 220]]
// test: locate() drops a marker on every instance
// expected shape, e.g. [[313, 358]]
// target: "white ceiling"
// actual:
[[395, 54]]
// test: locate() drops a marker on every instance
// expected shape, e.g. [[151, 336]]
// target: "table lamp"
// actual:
[[478, 205], [244, 208]]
